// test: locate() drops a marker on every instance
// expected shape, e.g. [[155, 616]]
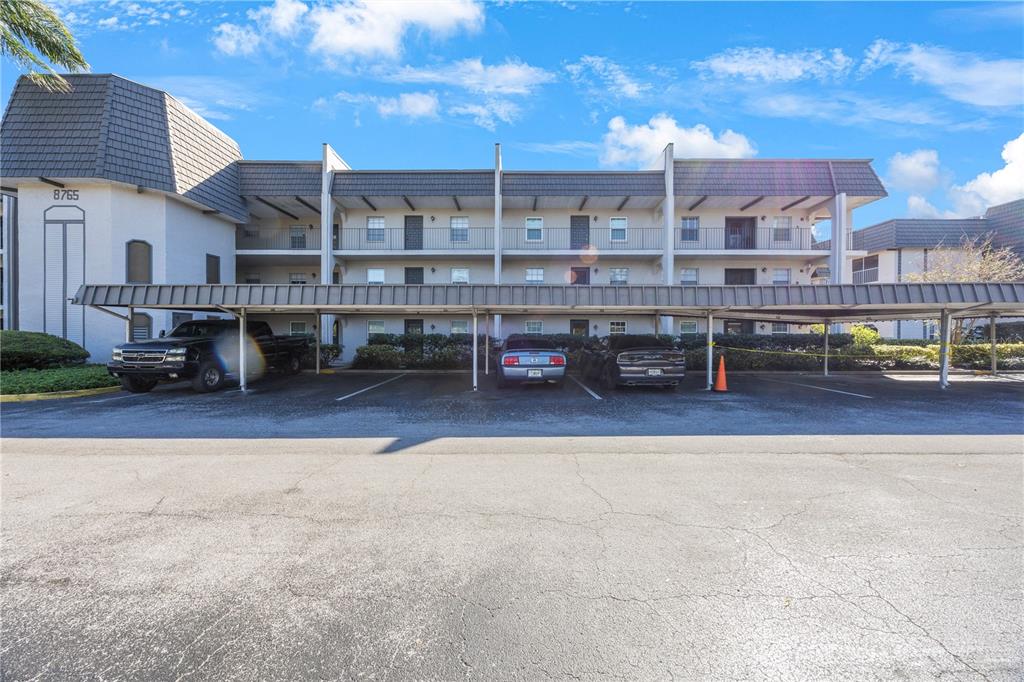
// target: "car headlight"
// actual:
[[177, 352], [117, 354]]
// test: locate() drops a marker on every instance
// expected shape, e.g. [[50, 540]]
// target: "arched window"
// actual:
[[138, 262], [142, 327]]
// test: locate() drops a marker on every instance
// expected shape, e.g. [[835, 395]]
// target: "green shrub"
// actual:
[[863, 335], [378, 357], [328, 353], [55, 379], [27, 350]]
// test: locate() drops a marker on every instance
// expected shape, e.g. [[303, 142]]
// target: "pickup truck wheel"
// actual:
[[138, 384], [294, 365], [499, 379], [209, 378]]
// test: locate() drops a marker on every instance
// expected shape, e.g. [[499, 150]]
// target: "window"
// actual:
[[297, 328], [780, 327], [865, 270], [781, 275], [782, 228], [374, 328], [690, 229], [534, 229], [142, 327], [212, 269], [579, 276], [689, 276], [296, 278], [618, 276], [459, 226], [180, 318], [460, 275], [414, 275], [297, 236], [138, 262], [688, 327], [533, 326], [252, 278], [534, 275], [460, 327], [618, 228], [375, 275], [375, 228], [616, 327]]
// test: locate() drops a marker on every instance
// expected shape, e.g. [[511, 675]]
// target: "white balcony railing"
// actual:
[[585, 238], [306, 239], [414, 239], [759, 238]]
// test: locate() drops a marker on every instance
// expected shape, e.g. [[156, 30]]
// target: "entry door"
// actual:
[[414, 326], [579, 231], [741, 276], [63, 272], [414, 233], [739, 233], [580, 275], [738, 326], [579, 327], [414, 275]]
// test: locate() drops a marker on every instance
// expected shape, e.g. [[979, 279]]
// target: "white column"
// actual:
[[332, 163], [127, 325], [668, 255], [487, 345], [241, 351], [711, 344], [826, 347], [944, 332], [497, 228], [319, 324], [992, 335], [475, 352], [840, 229]]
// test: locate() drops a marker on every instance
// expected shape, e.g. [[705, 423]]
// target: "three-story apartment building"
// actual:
[[117, 182]]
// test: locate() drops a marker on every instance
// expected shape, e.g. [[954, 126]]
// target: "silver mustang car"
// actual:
[[530, 359]]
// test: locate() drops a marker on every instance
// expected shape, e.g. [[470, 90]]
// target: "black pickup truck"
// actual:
[[201, 350], [634, 360]]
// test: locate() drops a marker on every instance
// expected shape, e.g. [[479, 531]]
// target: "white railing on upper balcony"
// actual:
[[414, 239], [583, 238], [249, 239], [759, 238]]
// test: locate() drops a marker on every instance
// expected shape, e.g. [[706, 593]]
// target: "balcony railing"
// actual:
[[761, 238], [414, 239], [578, 239], [307, 239]]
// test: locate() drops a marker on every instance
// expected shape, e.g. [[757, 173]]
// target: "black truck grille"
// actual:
[[143, 357]]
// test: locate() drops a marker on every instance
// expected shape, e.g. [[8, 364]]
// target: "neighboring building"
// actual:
[[118, 182]]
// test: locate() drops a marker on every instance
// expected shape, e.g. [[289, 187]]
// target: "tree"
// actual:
[[28, 27], [974, 260]]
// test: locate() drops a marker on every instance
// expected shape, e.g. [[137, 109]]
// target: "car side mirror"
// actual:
[[163, 333]]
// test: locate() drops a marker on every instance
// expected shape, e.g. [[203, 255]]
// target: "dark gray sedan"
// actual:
[[527, 359]]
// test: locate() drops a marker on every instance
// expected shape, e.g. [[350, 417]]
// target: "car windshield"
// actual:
[[530, 343], [199, 329], [627, 341]]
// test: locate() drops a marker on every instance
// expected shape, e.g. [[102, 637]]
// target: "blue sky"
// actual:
[[933, 92]]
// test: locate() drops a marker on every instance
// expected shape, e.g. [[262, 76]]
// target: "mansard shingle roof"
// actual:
[[594, 183], [776, 177], [918, 233], [426, 183], [279, 178]]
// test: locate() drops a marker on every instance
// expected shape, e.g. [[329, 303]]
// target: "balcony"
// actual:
[[744, 239], [249, 239], [572, 239], [409, 239]]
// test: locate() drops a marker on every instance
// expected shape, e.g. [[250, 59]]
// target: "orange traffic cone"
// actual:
[[720, 385]]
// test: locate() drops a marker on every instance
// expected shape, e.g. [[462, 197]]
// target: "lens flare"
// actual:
[[226, 349]]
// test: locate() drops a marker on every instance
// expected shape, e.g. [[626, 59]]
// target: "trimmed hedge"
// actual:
[[55, 379], [35, 350], [329, 352]]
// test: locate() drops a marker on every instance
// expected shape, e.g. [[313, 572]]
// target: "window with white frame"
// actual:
[[533, 326], [534, 275], [296, 278], [618, 276], [781, 275], [297, 236], [534, 229], [297, 328], [374, 328], [375, 275], [687, 326], [618, 228], [459, 228], [617, 327], [690, 229], [375, 228], [780, 327], [865, 270], [460, 275], [689, 276], [460, 327], [252, 278], [782, 228]]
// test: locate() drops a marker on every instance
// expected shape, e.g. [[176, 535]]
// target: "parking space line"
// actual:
[[820, 388], [107, 400], [580, 384], [370, 388]]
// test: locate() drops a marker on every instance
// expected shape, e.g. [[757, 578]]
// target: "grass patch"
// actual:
[[23, 381]]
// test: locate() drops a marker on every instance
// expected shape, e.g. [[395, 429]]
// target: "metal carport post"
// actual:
[[992, 338], [475, 350], [711, 343], [945, 323], [241, 351]]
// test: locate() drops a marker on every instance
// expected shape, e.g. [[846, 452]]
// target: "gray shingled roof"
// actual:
[[279, 178], [776, 177], [918, 233], [112, 128], [571, 184], [432, 183], [1007, 222]]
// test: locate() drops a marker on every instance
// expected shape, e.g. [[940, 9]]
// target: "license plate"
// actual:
[[534, 372], [654, 372]]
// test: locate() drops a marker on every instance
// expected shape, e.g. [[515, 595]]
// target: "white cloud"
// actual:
[[847, 109], [234, 40], [611, 78], [567, 147], [919, 207], [918, 171], [997, 187], [765, 64], [376, 29], [111, 24], [510, 78], [410, 105], [639, 145], [961, 76], [282, 17], [488, 114], [211, 96]]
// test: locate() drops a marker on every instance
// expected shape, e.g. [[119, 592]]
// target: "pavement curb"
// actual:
[[29, 397]]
